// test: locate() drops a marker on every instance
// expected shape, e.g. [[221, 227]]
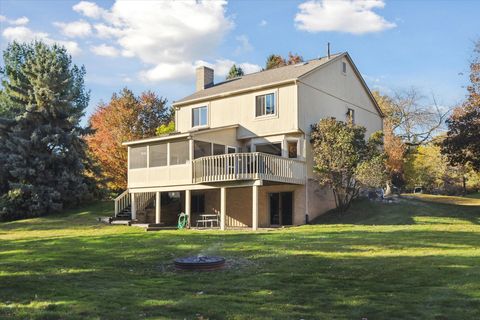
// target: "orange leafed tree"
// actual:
[[126, 117], [394, 147]]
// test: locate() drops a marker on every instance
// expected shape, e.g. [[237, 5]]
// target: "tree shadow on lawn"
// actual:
[[130, 277], [76, 217], [404, 212]]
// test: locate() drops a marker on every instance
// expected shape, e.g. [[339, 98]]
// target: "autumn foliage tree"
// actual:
[[126, 117], [394, 147], [345, 161], [462, 144], [276, 61]]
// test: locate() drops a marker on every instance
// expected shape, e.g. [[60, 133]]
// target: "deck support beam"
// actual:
[[133, 207], [254, 207], [188, 205], [158, 206], [223, 207]]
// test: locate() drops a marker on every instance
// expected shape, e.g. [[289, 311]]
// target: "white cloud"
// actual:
[[20, 21], [245, 45], [263, 23], [17, 22], [89, 9], [24, 34], [250, 67], [105, 50], [74, 29], [350, 16], [104, 31], [168, 71], [168, 36], [222, 66], [186, 71]]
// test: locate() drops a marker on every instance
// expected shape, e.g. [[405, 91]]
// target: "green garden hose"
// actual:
[[182, 220]]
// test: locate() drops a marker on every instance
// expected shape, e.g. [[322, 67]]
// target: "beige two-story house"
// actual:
[[241, 153]]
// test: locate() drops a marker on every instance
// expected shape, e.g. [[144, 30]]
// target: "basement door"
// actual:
[[281, 208]]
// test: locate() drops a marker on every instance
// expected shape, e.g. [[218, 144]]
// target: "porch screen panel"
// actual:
[[270, 148], [138, 157], [202, 149], [178, 152], [158, 155], [218, 149]]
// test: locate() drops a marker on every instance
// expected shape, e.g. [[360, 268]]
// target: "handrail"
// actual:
[[121, 202], [248, 166]]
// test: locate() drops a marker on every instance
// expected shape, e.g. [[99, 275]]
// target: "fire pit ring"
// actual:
[[199, 263]]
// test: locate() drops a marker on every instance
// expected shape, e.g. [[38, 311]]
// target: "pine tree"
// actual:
[[43, 160], [235, 72]]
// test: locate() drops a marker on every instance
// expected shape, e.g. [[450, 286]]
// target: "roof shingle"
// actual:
[[264, 77]]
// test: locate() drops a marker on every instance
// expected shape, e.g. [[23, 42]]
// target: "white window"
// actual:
[[200, 116], [344, 67], [265, 105], [350, 116]]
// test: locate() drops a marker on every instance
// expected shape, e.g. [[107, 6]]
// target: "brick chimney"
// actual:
[[204, 78]]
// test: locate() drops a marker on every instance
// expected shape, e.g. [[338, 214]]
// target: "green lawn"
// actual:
[[409, 260]]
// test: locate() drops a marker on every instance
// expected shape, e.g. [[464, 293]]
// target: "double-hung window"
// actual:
[[265, 105], [200, 116]]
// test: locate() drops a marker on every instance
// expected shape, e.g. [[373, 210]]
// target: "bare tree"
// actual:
[[414, 120]]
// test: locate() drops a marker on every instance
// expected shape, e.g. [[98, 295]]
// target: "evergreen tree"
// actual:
[[235, 72], [43, 160]]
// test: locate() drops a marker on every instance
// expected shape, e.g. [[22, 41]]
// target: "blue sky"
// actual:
[[155, 45]]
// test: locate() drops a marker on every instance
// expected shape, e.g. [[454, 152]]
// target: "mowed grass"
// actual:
[[407, 260]]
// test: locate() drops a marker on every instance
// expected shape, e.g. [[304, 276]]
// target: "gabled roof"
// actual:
[[261, 78], [277, 76]]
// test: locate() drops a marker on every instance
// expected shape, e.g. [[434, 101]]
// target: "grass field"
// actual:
[[417, 259]]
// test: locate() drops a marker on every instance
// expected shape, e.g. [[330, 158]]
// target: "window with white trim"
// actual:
[[200, 116], [265, 105]]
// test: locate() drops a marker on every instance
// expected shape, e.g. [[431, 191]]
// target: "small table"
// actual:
[[206, 218]]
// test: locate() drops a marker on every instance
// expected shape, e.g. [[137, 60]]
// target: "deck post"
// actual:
[[223, 207], [188, 203], [134, 208], [254, 207], [158, 205]]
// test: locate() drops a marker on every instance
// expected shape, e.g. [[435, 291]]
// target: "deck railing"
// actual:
[[121, 202], [248, 166]]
